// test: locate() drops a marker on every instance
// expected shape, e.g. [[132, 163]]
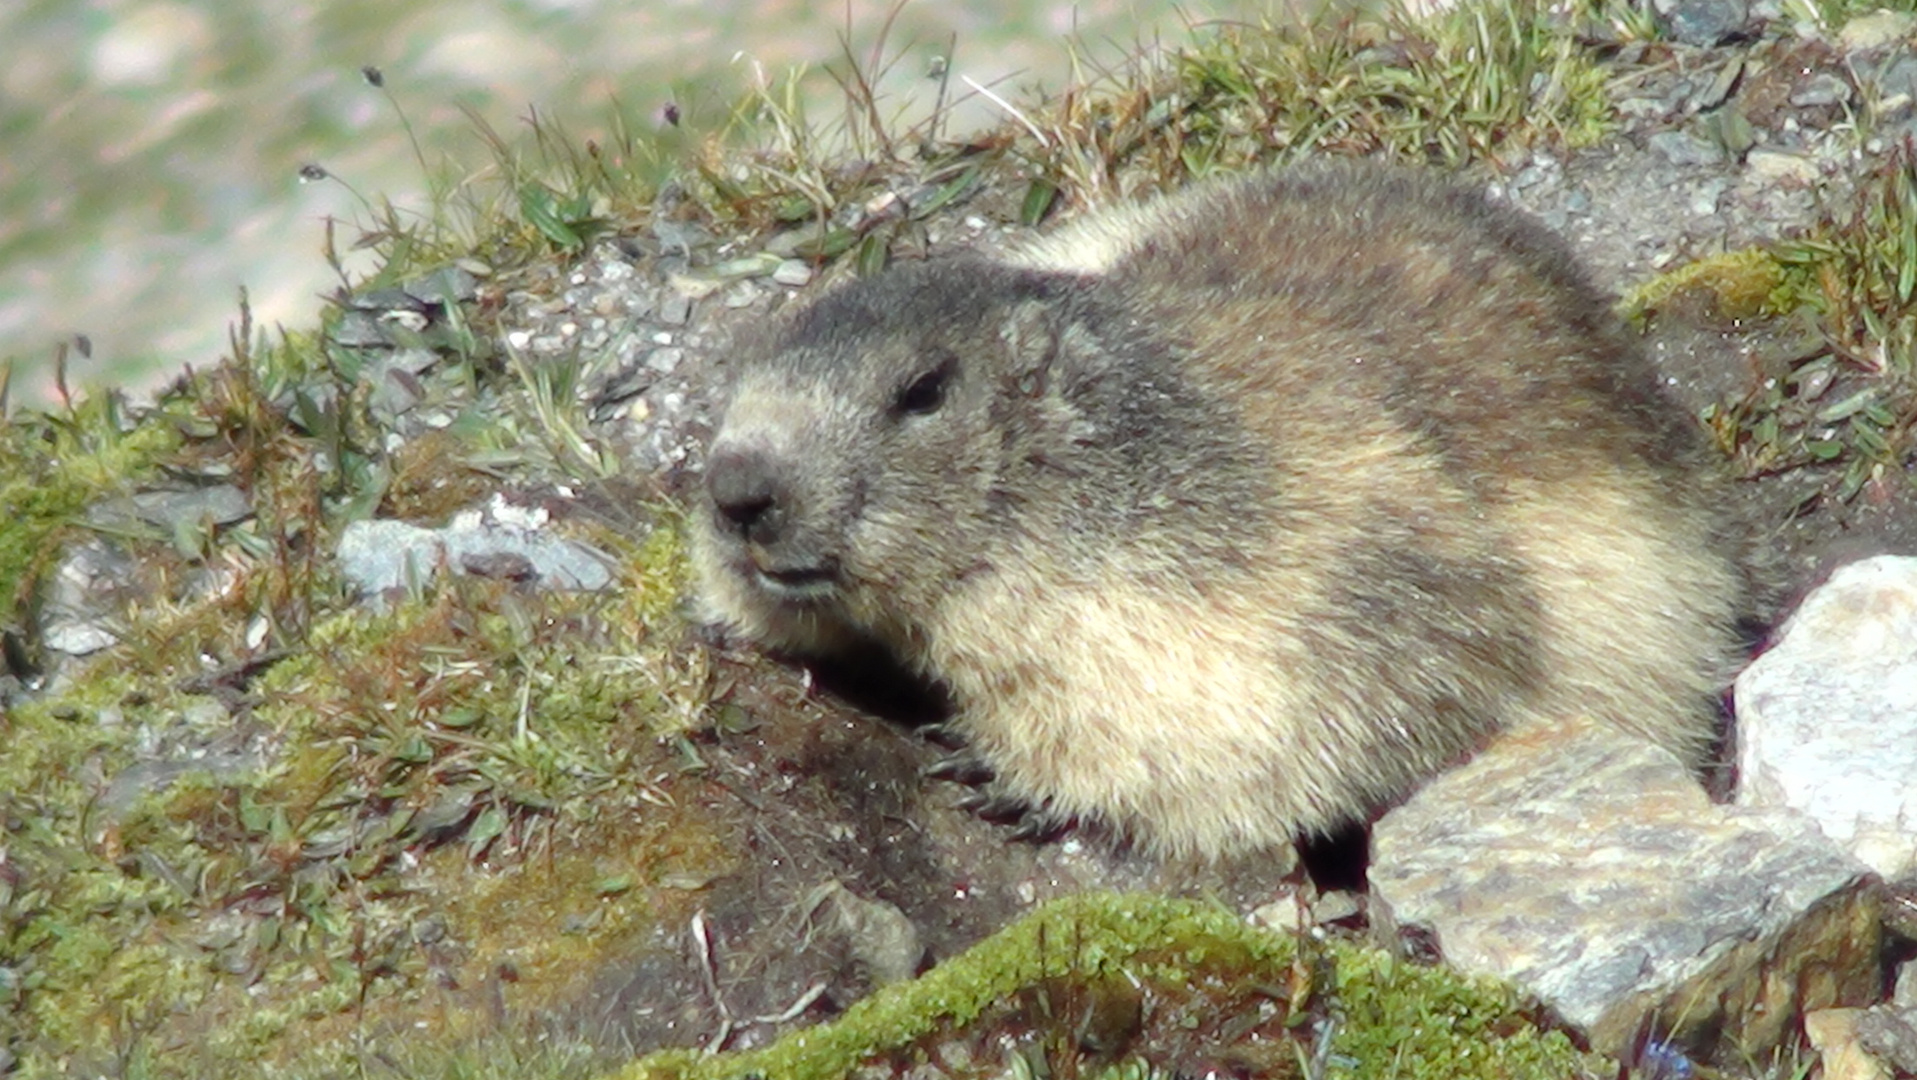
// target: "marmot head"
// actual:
[[870, 447]]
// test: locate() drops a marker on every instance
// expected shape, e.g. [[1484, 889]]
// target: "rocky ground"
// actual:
[[278, 794]]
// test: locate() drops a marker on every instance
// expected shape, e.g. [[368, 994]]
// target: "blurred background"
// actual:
[[150, 150]]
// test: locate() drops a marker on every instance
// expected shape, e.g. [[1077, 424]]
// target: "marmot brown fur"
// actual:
[[1235, 514]]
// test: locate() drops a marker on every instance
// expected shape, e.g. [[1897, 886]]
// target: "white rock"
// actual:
[[792, 272], [1876, 30], [1589, 868], [1772, 166], [1827, 719]]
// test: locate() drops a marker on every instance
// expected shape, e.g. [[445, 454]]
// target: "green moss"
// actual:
[[1846, 407], [1730, 286], [1393, 1019], [53, 466], [472, 721]]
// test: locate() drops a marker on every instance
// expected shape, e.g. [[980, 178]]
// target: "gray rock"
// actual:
[[377, 557], [622, 383], [675, 308], [1776, 167], [793, 272], [1877, 30], [447, 286], [740, 295], [1590, 869], [501, 532], [1703, 22], [76, 616], [1890, 1035], [411, 361], [1827, 719], [358, 329], [1822, 88], [877, 934], [394, 395], [218, 504], [680, 236], [144, 778], [78, 637], [385, 300], [503, 541], [1897, 79], [1705, 197], [1684, 148]]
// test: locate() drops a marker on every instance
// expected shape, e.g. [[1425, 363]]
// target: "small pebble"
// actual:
[[675, 309], [1684, 148], [1822, 88], [793, 272], [1771, 166]]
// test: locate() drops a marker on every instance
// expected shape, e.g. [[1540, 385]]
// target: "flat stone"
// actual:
[[445, 286], [1833, 1034], [171, 510], [221, 505], [793, 272], [1896, 79], [385, 299], [555, 561], [1889, 1034], [1590, 869], [358, 329], [1684, 148], [1822, 88], [877, 934], [1877, 30], [1827, 718], [394, 396], [740, 295], [411, 361], [76, 637], [675, 308], [1775, 166], [87, 587], [381, 556], [756, 265], [1704, 22]]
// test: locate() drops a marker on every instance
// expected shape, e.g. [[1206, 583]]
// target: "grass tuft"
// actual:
[[1846, 408]]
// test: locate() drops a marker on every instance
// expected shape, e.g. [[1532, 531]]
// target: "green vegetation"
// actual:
[[1094, 975], [53, 466], [1844, 401], [342, 778]]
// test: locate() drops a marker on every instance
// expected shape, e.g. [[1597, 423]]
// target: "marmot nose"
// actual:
[[746, 489]]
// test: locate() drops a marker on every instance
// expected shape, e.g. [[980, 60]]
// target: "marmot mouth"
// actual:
[[808, 581]]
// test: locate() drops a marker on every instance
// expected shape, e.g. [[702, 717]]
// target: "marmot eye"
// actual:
[[926, 393]]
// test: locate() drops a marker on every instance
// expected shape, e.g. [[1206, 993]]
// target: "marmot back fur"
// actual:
[[1235, 514]]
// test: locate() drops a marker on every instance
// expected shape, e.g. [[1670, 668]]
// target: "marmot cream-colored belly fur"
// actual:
[[1236, 514]]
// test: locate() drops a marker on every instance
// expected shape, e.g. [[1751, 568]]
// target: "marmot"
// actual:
[[1234, 515]]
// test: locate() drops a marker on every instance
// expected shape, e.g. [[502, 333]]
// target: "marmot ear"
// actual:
[[1030, 336], [1039, 330]]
